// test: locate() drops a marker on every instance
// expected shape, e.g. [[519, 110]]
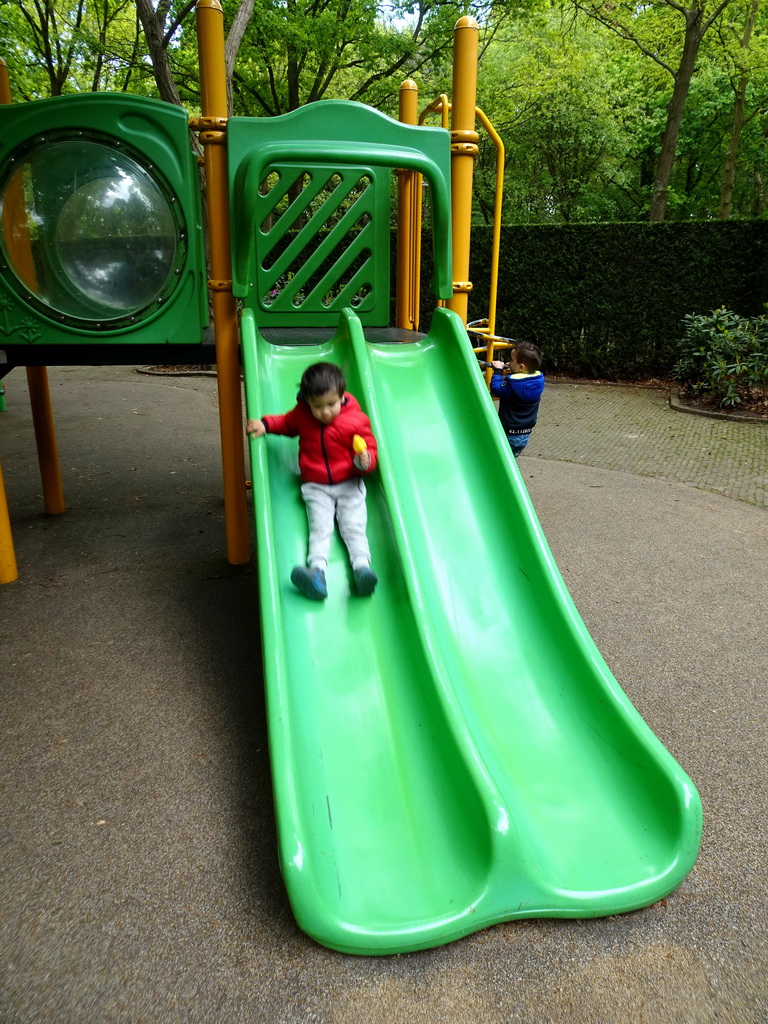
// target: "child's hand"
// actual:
[[362, 457], [256, 428], [497, 364]]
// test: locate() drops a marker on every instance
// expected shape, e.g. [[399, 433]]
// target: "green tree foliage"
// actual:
[[582, 111], [720, 157], [53, 47], [573, 114], [300, 51], [581, 100], [670, 33]]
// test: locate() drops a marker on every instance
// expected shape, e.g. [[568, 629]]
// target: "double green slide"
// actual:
[[452, 752]]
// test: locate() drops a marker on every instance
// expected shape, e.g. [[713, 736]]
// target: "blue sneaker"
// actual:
[[365, 581], [311, 582]]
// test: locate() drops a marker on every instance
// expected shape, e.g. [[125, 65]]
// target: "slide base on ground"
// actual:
[[453, 751]]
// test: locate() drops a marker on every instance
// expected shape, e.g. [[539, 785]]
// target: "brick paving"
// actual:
[[634, 430]]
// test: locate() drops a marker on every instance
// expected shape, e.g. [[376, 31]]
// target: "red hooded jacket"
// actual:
[[325, 450]]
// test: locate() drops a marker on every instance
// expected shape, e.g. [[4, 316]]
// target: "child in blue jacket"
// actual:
[[519, 393]]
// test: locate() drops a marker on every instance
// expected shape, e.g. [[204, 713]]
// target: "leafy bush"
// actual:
[[723, 357]]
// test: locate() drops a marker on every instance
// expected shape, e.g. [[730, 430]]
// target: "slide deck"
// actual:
[[453, 751]]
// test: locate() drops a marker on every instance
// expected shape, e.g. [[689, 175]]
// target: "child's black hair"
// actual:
[[528, 354], [320, 378]]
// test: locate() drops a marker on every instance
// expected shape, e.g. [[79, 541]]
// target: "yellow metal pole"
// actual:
[[464, 140], [440, 105], [8, 569], [213, 88], [497, 204], [408, 224], [40, 400], [5, 84], [45, 435]]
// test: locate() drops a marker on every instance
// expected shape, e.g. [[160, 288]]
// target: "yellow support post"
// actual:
[[213, 88], [408, 224], [464, 139], [45, 435], [8, 569]]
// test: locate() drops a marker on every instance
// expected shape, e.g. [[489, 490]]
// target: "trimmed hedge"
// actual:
[[609, 300]]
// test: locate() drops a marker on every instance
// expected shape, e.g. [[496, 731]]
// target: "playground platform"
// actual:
[[138, 868]]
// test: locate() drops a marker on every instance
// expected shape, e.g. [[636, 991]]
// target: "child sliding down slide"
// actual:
[[336, 449]]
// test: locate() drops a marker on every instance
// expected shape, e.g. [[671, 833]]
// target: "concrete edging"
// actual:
[[745, 417]]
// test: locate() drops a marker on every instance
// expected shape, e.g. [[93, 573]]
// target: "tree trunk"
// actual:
[[759, 194], [154, 31], [293, 78], [232, 45], [729, 168], [693, 36]]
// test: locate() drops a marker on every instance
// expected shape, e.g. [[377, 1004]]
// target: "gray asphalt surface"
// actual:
[[138, 873]]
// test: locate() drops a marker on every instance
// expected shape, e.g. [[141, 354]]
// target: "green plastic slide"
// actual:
[[452, 752]]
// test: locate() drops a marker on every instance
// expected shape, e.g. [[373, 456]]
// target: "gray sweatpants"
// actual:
[[345, 502]]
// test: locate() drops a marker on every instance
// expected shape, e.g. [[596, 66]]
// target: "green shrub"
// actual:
[[723, 357]]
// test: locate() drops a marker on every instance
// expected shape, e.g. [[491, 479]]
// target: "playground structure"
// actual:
[[436, 767], [52, 329]]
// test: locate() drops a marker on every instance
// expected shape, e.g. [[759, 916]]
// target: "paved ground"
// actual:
[[632, 430], [138, 875]]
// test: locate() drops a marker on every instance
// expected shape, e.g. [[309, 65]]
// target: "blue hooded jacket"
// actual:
[[519, 395]]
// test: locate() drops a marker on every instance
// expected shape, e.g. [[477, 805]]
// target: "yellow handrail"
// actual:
[[497, 204]]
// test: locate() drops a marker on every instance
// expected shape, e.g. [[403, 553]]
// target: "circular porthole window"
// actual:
[[92, 236]]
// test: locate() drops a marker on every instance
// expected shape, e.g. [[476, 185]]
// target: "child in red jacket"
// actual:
[[332, 461]]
